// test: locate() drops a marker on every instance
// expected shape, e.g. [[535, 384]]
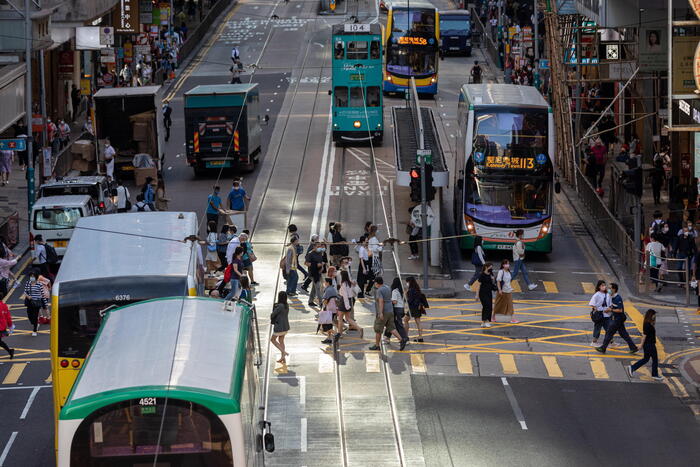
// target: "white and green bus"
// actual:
[[168, 382]]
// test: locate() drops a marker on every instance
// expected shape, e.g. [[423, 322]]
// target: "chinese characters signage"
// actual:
[[409, 40], [683, 57], [506, 162], [127, 17]]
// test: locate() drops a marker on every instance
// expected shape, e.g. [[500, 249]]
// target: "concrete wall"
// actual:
[[78, 10]]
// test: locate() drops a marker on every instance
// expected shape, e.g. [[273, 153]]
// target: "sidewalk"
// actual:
[[690, 369]]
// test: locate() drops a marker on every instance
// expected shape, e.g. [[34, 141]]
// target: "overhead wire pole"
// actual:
[[28, 104]]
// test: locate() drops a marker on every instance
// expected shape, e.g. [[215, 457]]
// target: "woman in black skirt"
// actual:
[[486, 288]]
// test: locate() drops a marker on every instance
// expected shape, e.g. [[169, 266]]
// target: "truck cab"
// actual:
[[222, 124], [456, 32]]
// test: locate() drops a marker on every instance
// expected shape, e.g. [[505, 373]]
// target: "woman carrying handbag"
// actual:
[[34, 300], [487, 285], [345, 304]]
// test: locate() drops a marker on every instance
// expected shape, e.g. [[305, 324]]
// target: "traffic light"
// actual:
[[429, 189], [633, 182], [415, 185]]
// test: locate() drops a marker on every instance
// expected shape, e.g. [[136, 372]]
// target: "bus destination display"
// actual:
[[410, 40], [508, 162]]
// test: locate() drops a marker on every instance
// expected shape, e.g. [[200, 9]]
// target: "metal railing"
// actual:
[[414, 104], [660, 275], [486, 40]]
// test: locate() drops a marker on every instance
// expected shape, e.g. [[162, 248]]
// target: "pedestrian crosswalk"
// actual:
[[551, 287], [24, 374]]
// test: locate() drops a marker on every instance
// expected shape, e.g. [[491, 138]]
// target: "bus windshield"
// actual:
[[511, 132], [455, 26], [408, 62], [139, 428], [421, 21]]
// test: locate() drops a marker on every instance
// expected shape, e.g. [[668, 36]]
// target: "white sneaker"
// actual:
[[34, 334], [413, 257], [483, 325], [629, 370], [488, 325], [658, 378], [532, 286], [467, 287], [594, 344]]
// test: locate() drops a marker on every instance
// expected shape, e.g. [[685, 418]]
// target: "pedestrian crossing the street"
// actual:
[[551, 287]]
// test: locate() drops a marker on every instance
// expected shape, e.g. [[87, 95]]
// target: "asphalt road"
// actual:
[[328, 411], [467, 421]]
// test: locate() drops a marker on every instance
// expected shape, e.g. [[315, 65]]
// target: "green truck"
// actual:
[[222, 124]]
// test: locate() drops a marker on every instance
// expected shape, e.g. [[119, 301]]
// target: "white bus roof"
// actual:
[[154, 348], [503, 94], [128, 244]]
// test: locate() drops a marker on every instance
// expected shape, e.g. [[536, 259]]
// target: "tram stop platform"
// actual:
[[406, 145]]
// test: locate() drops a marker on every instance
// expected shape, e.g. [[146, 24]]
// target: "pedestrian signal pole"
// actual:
[[422, 156]]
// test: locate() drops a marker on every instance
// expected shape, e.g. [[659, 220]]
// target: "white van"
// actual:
[[96, 186], [54, 218]]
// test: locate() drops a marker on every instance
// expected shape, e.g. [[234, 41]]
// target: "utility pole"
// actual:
[[42, 100], [537, 36], [28, 103], [424, 220]]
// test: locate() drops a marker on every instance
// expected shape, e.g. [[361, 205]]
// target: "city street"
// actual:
[[533, 393]]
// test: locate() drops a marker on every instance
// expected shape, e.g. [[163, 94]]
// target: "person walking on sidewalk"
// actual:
[[519, 259], [123, 197], [6, 159], [109, 155], [34, 300], [478, 261], [504, 298], [291, 259], [280, 323], [487, 285], [617, 322], [384, 314], [64, 133], [648, 344], [600, 311], [167, 119], [6, 327]]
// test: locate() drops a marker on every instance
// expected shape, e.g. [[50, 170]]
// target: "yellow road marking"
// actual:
[[516, 286], [464, 363], [282, 369], [676, 387], [553, 370], [588, 287], [418, 363], [508, 364], [598, 368], [14, 373], [49, 379], [372, 362], [550, 287], [325, 363]]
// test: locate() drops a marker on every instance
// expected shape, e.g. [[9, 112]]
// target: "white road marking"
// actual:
[[302, 391], [29, 402], [6, 451], [327, 191], [170, 167], [514, 403], [303, 435], [324, 162], [10, 388]]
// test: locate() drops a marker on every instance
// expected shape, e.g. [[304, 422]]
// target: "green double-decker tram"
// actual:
[[170, 381], [357, 83]]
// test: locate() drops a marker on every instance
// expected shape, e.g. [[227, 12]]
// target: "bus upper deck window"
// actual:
[[357, 50], [339, 50], [341, 96], [372, 96], [374, 50]]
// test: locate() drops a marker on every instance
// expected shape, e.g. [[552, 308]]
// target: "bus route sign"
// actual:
[[13, 144]]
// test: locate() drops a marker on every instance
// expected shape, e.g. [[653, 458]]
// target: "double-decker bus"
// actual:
[[168, 382], [113, 260], [412, 44], [357, 81], [506, 151]]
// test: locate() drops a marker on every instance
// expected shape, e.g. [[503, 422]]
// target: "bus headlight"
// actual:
[[469, 223], [379, 125], [388, 78], [432, 80], [335, 125], [357, 124], [545, 229]]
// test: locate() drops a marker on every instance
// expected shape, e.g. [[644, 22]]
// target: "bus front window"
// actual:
[[503, 199], [421, 21], [409, 62], [511, 133]]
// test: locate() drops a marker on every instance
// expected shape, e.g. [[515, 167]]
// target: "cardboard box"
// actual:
[[144, 147], [210, 282], [143, 117], [141, 174], [141, 131], [83, 166]]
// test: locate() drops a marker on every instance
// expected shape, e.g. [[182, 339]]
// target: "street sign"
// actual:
[[416, 216], [544, 64], [356, 27], [13, 144], [427, 153]]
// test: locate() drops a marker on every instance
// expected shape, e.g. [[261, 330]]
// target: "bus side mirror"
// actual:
[[557, 187]]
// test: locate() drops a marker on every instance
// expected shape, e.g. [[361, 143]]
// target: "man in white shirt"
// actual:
[[234, 243], [122, 197], [655, 251], [519, 259], [109, 154]]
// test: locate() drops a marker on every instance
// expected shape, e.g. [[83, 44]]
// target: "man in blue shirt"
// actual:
[[617, 323], [148, 194], [237, 197], [213, 206]]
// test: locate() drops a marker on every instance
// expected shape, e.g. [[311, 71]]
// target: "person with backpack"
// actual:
[[617, 322], [45, 256], [235, 56], [140, 205], [476, 73], [6, 327], [659, 228], [655, 252], [478, 260]]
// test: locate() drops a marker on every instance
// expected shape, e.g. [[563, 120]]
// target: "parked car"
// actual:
[[97, 186]]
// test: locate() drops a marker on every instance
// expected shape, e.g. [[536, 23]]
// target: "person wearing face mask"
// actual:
[[308, 279], [214, 206], [504, 299], [365, 278], [685, 248], [617, 322], [316, 267], [487, 285], [34, 300]]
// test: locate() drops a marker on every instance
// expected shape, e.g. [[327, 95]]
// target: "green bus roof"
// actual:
[[147, 349], [219, 95]]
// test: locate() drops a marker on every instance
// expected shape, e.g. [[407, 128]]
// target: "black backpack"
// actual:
[[51, 255], [140, 206]]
